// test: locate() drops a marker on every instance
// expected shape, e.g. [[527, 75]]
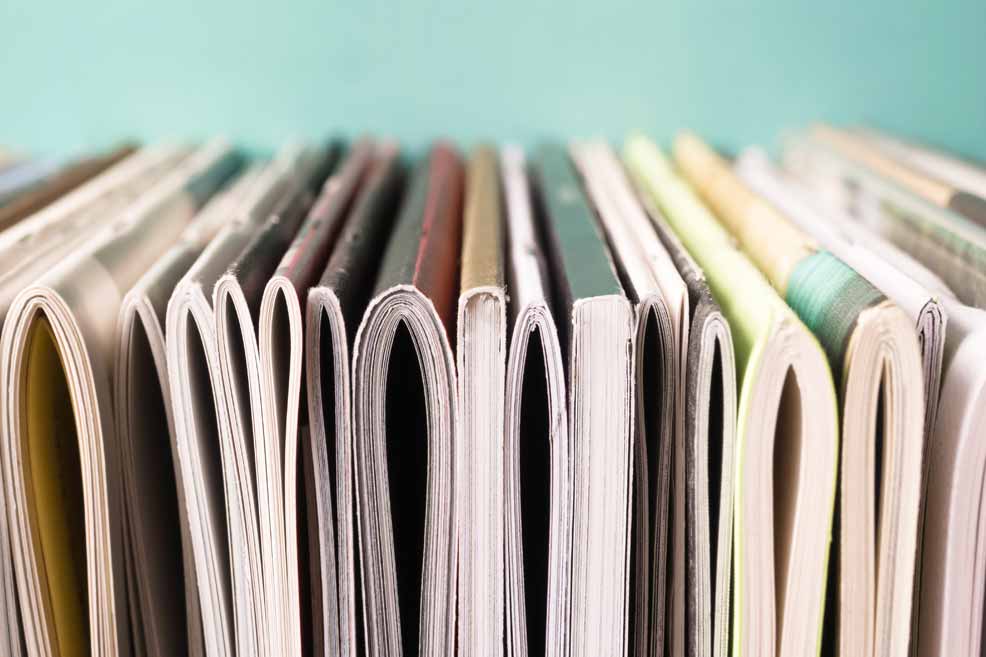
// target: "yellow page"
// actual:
[[54, 488]]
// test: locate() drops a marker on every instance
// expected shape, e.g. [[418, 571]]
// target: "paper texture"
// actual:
[[709, 459], [404, 405], [205, 451], [80, 299], [598, 344], [875, 356], [481, 367], [782, 373], [537, 458]]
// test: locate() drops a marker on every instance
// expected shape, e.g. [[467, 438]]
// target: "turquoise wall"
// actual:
[[82, 73]]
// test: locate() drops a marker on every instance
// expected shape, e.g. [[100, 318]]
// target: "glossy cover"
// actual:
[[482, 237], [575, 242], [424, 250]]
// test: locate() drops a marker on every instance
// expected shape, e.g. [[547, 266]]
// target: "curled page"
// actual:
[[258, 570], [206, 456], [479, 448], [661, 303], [952, 589], [710, 447], [164, 608], [334, 309], [538, 495], [281, 359], [598, 344], [404, 403], [945, 578], [69, 554], [787, 430], [874, 353], [28, 256]]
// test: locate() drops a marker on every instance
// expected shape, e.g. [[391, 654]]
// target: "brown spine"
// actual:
[[482, 227], [437, 262]]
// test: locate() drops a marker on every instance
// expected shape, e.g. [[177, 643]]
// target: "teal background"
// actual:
[[78, 74]]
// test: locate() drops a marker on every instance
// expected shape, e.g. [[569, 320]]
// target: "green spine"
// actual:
[[828, 296]]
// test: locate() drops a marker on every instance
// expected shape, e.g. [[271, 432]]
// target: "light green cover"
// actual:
[[749, 303]]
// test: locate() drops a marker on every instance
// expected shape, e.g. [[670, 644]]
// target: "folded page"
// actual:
[[948, 592], [164, 607], [479, 448], [206, 456], [710, 446], [67, 319], [108, 194], [787, 430], [236, 299], [404, 406], [281, 360], [538, 484], [661, 301], [598, 343], [875, 356], [334, 309]]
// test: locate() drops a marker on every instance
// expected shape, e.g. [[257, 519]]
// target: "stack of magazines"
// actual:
[[578, 401]]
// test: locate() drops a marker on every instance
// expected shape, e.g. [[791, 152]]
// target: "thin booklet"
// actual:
[[538, 477], [479, 449], [709, 455], [334, 308], [281, 344], [856, 246], [30, 249], [258, 566], [661, 304], [950, 592], [404, 410], [952, 586], [598, 326], [861, 250]]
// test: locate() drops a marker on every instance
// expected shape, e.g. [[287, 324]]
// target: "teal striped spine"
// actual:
[[828, 296]]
